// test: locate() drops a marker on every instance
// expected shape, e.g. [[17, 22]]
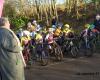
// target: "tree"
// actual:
[[96, 4]]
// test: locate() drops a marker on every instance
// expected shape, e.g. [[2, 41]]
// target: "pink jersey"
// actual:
[[50, 38]]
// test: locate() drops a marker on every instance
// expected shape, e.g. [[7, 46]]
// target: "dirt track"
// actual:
[[81, 68]]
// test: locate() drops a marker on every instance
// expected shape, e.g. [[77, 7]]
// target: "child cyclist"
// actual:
[[49, 37]]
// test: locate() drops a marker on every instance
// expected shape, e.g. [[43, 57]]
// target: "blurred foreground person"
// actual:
[[11, 59]]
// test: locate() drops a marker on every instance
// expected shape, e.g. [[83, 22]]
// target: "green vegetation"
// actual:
[[74, 12], [19, 22]]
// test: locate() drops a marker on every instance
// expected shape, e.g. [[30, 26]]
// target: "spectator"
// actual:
[[54, 22], [11, 59], [97, 22]]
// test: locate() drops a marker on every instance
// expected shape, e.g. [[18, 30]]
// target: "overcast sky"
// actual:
[[60, 1]]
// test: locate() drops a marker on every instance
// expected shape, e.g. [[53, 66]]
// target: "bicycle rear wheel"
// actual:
[[58, 53], [90, 51], [44, 58], [74, 52]]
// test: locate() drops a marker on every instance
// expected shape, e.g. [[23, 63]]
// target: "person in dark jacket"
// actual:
[[11, 59], [97, 22], [54, 22]]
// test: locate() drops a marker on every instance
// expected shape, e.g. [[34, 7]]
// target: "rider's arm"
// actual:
[[46, 38]]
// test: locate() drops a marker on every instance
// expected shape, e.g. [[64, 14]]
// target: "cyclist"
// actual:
[[37, 26], [20, 33], [87, 35], [39, 43], [38, 37], [93, 29], [49, 37], [97, 22], [67, 31], [57, 32], [86, 31], [25, 38], [94, 32], [30, 27], [89, 31], [54, 22]]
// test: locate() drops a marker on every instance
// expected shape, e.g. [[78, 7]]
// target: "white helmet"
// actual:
[[34, 22], [20, 29], [50, 30], [26, 33], [97, 17], [29, 24]]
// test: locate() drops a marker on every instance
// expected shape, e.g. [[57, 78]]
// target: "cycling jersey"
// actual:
[[57, 32], [25, 40], [38, 36], [49, 38], [67, 30], [32, 34]]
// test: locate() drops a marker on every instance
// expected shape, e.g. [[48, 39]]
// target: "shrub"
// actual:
[[17, 23]]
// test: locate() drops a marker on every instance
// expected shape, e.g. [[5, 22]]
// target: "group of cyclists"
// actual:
[[35, 35]]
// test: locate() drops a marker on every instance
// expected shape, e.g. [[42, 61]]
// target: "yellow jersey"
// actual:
[[25, 40], [38, 36], [57, 32], [66, 30]]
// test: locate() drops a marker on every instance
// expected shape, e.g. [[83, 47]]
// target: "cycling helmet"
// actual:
[[26, 33], [50, 30], [97, 17], [29, 24], [34, 22], [20, 29], [87, 26], [67, 26], [92, 26]]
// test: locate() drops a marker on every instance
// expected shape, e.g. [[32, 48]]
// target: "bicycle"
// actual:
[[71, 46], [55, 50], [88, 45]]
